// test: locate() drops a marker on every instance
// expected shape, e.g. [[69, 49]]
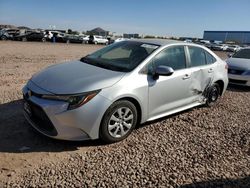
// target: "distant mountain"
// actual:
[[2, 26]]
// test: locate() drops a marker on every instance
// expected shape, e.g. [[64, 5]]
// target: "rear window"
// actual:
[[197, 56], [209, 58]]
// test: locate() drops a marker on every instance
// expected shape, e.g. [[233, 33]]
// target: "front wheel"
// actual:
[[118, 121], [213, 94], [3, 38]]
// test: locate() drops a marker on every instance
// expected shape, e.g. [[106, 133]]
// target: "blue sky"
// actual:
[[156, 17]]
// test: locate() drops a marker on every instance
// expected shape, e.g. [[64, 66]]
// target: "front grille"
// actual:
[[234, 71], [237, 81], [40, 118]]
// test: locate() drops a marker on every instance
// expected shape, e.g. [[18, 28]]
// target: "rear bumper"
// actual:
[[239, 79]]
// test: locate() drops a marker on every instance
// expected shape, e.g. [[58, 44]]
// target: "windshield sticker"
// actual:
[[149, 46]]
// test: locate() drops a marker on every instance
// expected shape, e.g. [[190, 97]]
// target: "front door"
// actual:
[[169, 92]]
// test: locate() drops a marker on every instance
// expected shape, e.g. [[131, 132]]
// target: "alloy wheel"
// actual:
[[120, 122]]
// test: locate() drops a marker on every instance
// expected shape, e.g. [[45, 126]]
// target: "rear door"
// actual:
[[201, 65]]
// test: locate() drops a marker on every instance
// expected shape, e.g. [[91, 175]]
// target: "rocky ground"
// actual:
[[201, 147]]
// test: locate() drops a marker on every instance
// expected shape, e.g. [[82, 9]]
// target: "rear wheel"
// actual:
[[213, 94], [118, 121]]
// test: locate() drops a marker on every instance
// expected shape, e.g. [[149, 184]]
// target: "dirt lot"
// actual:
[[201, 147]]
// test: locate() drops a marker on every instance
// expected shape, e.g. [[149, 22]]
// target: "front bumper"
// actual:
[[243, 80], [52, 118]]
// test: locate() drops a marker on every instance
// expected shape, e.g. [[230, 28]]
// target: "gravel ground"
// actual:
[[201, 147]]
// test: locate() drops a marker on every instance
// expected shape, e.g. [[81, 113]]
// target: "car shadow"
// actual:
[[221, 183], [238, 88], [17, 136]]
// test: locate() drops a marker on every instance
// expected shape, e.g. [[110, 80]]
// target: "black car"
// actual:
[[31, 36], [73, 39]]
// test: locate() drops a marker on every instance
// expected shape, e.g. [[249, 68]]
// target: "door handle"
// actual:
[[187, 76], [210, 70]]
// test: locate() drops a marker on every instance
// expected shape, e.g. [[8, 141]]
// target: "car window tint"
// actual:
[[197, 56], [173, 57], [209, 58]]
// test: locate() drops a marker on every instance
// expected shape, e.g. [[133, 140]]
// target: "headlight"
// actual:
[[74, 101]]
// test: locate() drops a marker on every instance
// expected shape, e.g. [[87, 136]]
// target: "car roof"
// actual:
[[160, 42]]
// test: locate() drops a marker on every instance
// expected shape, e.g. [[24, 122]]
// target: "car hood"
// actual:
[[75, 77], [239, 63]]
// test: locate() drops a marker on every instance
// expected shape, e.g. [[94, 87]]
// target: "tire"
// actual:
[[212, 95], [3, 38], [24, 39], [43, 39], [118, 121]]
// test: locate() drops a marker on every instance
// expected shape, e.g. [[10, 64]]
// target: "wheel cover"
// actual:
[[120, 122]]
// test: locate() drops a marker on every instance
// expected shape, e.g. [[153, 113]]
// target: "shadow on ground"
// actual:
[[238, 88], [221, 183], [17, 136]]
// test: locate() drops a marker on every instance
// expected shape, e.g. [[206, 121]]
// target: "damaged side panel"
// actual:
[[201, 79]]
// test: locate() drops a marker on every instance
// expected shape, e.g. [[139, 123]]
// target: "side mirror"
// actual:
[[230, 55], [162, 71]]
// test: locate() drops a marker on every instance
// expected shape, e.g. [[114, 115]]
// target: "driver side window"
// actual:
[[173, 57]]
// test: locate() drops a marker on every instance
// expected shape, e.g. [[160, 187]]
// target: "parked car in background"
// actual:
[[94, 39], [73, 39], [233, 48], [220, 47], [107, 93], [188, 40], [4, 35], [239, 67], [8, 34], [120, 39], [30, 36], [86, 39], [59, 36], [210, 45]]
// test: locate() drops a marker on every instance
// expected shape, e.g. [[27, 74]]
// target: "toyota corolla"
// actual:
[[107, 93]]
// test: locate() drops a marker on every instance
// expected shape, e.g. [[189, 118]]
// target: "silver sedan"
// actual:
[[107, 93], [239, 67]]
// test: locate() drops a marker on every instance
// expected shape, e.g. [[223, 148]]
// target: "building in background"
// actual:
[[98, 31], [240, 37], [129, 36]]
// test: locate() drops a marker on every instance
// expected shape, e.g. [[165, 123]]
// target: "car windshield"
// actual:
[[244, 53], [123, 56]]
